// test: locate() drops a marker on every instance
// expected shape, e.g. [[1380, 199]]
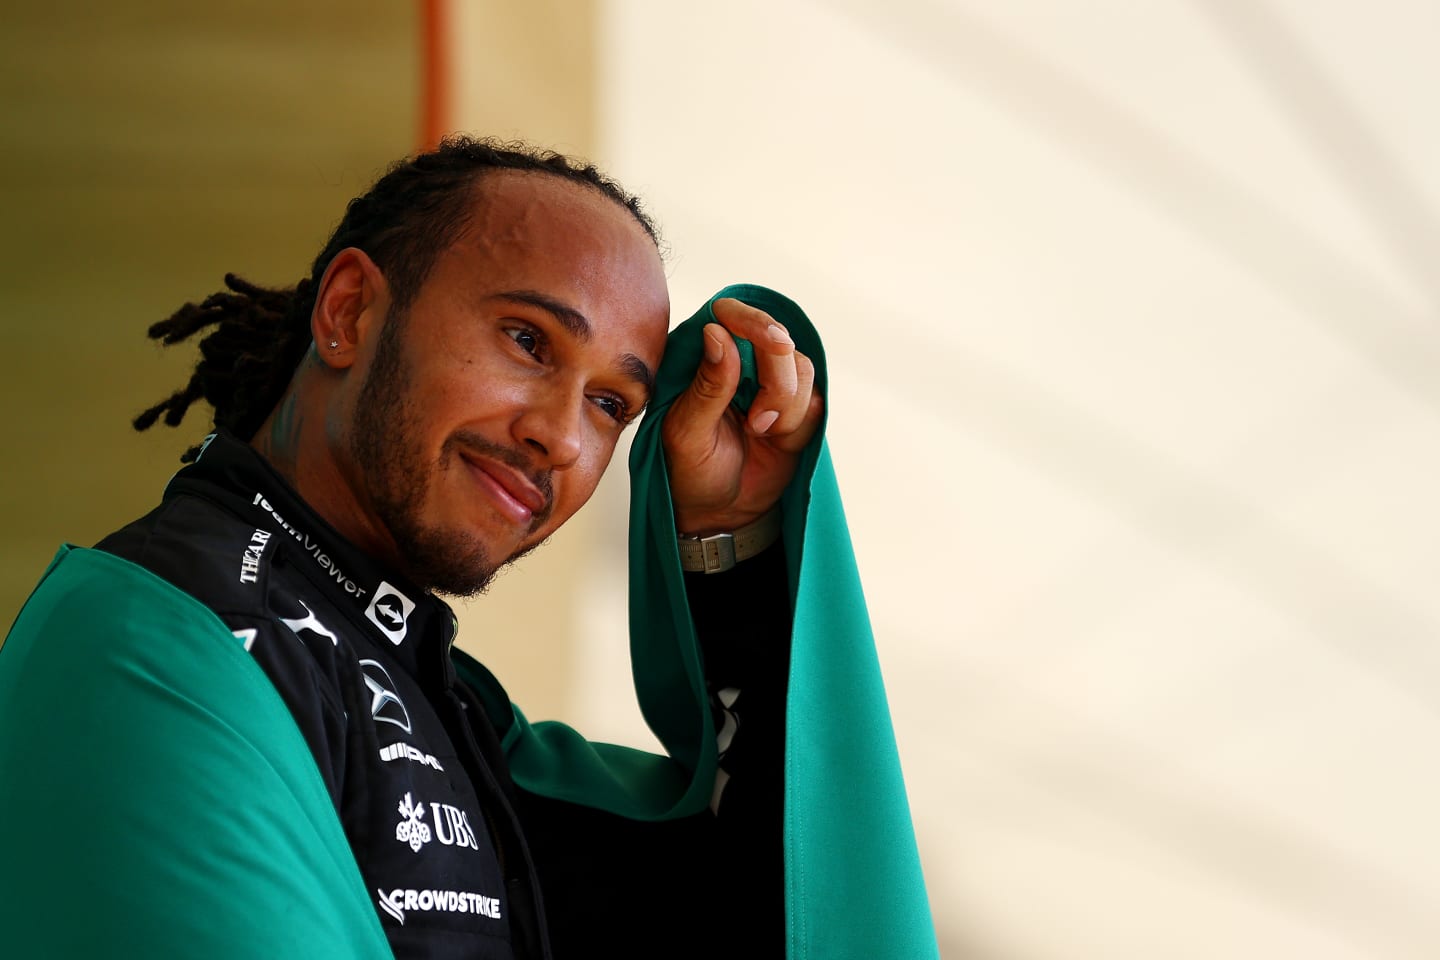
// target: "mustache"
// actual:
[[519, 462]]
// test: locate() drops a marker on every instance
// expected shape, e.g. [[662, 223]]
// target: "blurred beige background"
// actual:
[[1132, 319], [145, 150]]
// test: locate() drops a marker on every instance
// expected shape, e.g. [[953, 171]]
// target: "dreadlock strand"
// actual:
[[243, 343], [173, 406], [181, 401], [147, 417], [183, 323]]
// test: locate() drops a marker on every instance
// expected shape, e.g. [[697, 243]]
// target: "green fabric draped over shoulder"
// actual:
[[157, 796], [854, 886]]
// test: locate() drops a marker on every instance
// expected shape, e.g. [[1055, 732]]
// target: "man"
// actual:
[[439, 395]]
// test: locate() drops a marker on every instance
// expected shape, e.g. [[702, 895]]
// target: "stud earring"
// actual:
[[334, 344]]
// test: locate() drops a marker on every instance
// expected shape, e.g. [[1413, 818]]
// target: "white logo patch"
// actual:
[[451, 825], [410, 829], [312, 623], [312, 547], [250, 560], [403, 751], [389, 610], [385, 704], [396, 902]]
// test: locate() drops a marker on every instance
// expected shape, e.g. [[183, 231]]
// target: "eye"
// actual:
[[528, 339], [614, 407]]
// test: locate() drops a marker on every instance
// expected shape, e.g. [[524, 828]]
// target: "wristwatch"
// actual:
[[721, 551]]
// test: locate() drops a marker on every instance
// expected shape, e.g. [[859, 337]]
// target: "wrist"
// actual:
[[718, 551], [694, 522]]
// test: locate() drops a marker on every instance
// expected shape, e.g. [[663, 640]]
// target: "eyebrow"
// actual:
[[636, 370], [568, 317], [579, 327]]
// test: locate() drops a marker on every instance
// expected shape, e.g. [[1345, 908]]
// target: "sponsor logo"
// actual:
[[389, 610], [451, 825], [385, 704], [247, 636], [400, 901], [412, 828], [312, 623], [403, 751], [250, 561], [312, 547]]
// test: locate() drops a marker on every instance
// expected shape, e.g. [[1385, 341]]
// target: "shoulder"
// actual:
[[244, 577], [97, 625], [85, 590], [203, 549], [171, 762], [134, 661]]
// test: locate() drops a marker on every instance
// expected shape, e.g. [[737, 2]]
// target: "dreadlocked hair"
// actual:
[[411, 214]]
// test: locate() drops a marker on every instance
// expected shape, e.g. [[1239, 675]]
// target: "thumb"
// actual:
[[718, 376], [691, 426]]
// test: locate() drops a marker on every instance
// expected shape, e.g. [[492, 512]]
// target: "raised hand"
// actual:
[[727, 469]]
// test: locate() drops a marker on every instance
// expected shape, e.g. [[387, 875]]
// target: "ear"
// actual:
[[350, 307]]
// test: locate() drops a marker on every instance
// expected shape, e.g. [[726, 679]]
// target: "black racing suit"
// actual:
[[461, 862]]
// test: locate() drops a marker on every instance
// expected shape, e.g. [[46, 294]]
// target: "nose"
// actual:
[[550, 426]]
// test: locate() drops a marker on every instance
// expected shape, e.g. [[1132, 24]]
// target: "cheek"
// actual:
[[604, 450], [472, 389], [574, 487]]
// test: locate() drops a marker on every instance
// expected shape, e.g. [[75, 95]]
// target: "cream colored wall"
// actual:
[[525, 71], [1132, 319]]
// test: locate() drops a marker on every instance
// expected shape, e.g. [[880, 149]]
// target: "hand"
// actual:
[[727, 469]]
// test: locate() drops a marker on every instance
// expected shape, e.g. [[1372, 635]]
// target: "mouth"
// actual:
[[512, 493]]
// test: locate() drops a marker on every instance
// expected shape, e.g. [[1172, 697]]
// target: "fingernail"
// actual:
[[714, 349], [765, 421], [778, 334]]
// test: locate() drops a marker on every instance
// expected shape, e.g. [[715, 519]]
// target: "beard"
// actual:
[[396, 477]]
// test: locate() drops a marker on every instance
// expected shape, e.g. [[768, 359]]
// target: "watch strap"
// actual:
[[721, 551]]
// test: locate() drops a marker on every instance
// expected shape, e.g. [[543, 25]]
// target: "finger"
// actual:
[[696, 412], [797, 439], [742, 319], [779, 376], [795, 410], [775, 363]]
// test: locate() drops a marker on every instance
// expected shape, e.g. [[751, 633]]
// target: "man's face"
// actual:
[[491, 406]]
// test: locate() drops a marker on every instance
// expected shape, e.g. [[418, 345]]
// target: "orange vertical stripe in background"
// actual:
[[435, 71]]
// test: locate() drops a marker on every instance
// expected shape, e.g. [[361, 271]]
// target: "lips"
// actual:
[[512, 492]]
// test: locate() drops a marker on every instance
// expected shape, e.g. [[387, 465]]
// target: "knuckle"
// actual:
[[707, 387]]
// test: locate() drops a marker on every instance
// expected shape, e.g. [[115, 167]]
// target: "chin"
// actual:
[[459, 579], [442, 561]]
